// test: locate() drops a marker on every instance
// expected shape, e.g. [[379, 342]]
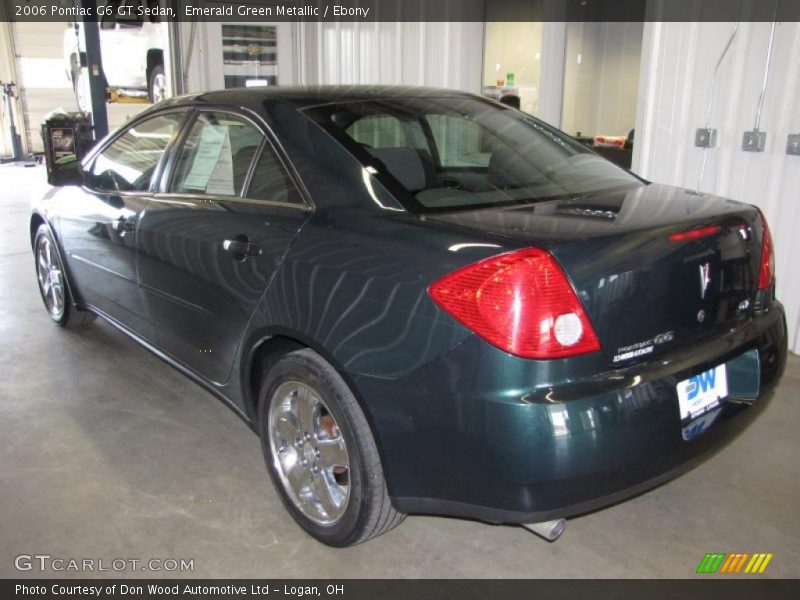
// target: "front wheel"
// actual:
[[53, 283], [321, 454]]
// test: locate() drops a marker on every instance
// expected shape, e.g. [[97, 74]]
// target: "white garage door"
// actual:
[[44, 82]]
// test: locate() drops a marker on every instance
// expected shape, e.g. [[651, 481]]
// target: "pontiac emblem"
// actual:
[[705, 279]]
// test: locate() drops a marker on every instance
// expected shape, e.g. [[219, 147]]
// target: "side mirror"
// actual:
[[66, 171]]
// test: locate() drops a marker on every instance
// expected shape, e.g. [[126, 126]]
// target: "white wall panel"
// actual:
[[435, 54], [678, 61]]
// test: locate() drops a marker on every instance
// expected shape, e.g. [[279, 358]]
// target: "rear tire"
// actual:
[[53, 286], [321, 454]]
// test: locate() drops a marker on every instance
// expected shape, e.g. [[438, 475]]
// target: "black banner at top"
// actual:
[[134, 11]]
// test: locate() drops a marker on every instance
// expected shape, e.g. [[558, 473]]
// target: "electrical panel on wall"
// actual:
[[754, 141], [705, 138], [793, 144]]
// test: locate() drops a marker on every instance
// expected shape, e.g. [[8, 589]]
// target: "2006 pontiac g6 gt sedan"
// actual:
[[421, 300]]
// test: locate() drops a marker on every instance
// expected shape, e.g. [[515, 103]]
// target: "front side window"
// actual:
[[216, 156], [128, 164], [473, 153]]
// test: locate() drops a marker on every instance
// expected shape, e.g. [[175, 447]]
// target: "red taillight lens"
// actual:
[[521, 302], [767, 274]]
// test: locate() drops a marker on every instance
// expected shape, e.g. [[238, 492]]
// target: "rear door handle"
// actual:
[[241, 247]]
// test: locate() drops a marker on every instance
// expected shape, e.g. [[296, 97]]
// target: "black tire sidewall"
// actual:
[[301, 367]]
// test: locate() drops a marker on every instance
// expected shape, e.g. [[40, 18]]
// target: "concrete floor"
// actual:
[[109, 453]]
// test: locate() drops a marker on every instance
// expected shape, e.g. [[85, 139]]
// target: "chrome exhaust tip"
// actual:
[[549, 530]]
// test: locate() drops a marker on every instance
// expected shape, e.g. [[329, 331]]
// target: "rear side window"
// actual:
[[216, 155], [128, 164], [270, 180]]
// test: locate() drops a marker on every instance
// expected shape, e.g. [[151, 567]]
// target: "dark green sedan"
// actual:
[[422, 301]]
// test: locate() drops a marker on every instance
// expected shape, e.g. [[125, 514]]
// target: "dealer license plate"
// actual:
[[702, 392]]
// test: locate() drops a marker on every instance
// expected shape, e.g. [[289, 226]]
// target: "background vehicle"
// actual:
[[422, 300], [132, 54]]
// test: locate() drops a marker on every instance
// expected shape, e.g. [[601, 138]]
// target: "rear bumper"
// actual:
[[488, 436]]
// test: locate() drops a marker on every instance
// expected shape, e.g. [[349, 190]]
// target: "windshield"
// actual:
[[462, 152]]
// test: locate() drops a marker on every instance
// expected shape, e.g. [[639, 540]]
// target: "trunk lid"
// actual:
[[645, 294]]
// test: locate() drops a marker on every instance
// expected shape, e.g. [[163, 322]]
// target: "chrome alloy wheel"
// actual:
[[51, 278], [309, 453]]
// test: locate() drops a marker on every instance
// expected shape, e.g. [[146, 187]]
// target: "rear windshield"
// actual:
[[460, 152]]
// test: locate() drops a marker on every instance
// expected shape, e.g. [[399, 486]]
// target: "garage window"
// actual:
[[128, 164]]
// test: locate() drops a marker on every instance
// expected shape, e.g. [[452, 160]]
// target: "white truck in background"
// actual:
[[132, 51]]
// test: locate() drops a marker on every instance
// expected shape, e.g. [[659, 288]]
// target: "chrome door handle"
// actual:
[[241, 247]]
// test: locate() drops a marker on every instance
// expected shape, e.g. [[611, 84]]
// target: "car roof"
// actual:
[[305, 96]]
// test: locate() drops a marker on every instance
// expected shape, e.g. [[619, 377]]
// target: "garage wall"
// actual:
[[435, 54], [678, 60], [202, 51]]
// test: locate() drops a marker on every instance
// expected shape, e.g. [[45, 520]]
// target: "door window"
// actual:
[[128, 164], [216, 156]]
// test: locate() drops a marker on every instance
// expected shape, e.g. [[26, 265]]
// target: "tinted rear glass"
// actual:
[[460, 152]]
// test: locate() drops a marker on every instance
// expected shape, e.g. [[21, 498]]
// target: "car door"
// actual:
[[210, 244], [98, 222]]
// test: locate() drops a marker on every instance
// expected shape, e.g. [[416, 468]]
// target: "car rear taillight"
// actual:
[[767, 274], [520, 302]]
